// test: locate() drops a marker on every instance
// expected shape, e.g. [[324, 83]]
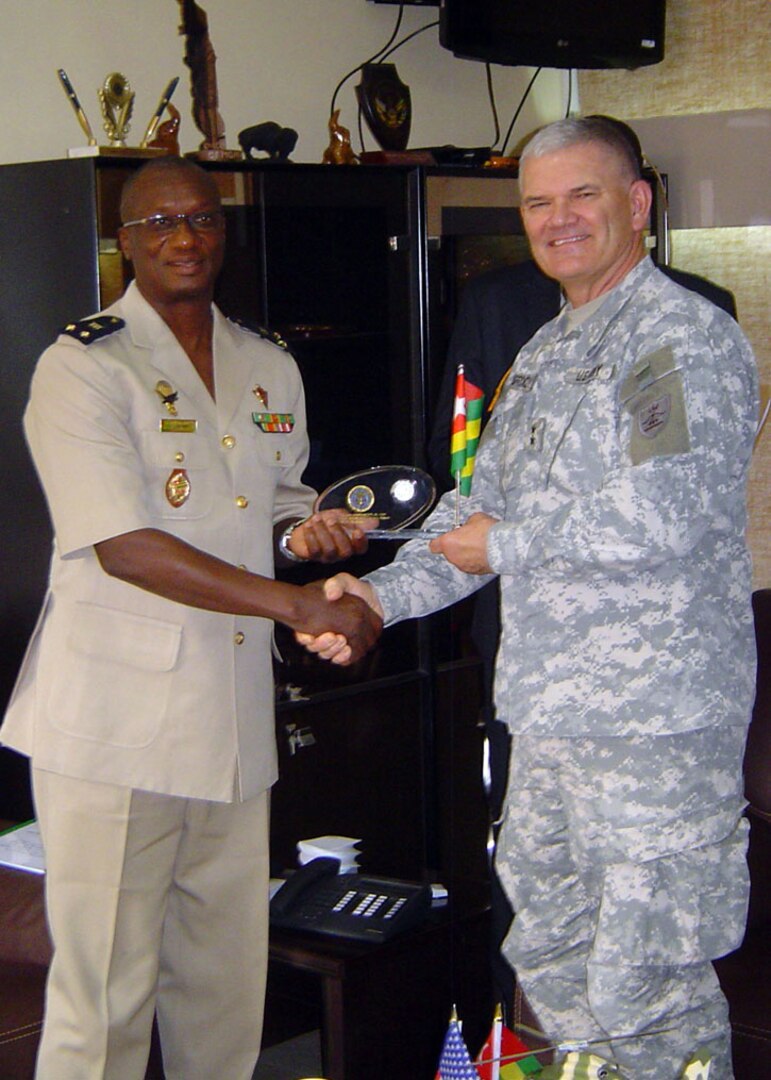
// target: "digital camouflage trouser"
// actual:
[[624, 859]]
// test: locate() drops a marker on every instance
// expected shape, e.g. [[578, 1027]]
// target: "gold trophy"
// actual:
[[117, 101]]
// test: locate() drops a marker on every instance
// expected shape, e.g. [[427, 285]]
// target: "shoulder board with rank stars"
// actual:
[[261, 331], [91, 330]]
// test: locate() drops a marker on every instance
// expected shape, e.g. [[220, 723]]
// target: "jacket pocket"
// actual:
[[112, 682]]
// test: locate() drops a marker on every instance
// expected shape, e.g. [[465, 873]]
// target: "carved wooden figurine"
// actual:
[[339, 151], [166, 137], [202, 61]]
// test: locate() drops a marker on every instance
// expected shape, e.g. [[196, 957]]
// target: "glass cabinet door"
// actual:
[[330, 259]]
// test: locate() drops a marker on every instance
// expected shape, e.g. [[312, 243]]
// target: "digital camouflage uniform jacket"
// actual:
[[616, 463]]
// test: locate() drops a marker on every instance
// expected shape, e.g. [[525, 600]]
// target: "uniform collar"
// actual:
[[148, 331]]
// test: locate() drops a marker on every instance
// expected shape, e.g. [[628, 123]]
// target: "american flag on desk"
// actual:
[[455, 1062]]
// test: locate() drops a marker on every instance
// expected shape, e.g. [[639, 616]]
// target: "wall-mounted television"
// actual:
[[555, 33]]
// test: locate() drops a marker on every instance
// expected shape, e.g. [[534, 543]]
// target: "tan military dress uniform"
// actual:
[[126, 699]]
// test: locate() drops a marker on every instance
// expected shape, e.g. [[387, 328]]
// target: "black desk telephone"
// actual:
[[372, 909]]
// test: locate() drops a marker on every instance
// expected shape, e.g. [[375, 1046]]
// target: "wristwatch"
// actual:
[[283, 543]]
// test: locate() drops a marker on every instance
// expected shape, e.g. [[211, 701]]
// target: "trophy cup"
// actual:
[[116, 99], [393, 495]]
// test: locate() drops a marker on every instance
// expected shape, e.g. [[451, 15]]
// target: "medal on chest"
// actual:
[[178, 487]]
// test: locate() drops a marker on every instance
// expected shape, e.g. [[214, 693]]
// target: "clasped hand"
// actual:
[[464, 547], [330, 536], [342, 626]]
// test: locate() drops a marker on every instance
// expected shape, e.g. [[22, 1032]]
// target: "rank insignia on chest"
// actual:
[[178, 487], [521, 380], [274, 423], [535, 435]]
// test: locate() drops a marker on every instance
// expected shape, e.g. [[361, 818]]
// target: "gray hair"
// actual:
[[615, 135]]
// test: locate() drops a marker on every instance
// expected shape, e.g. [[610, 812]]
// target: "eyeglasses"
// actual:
[[163, 225]]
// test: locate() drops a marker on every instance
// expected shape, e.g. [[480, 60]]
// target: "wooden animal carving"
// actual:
[[166, 137], [276, 141], [339, 151]]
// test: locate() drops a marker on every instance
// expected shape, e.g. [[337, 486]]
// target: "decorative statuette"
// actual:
[[339, 151], [155, 119], [166, 134], [386, 104], [202, 61], [117, 101]]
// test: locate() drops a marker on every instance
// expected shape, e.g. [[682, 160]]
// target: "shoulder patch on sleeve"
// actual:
[[261, 331], [90, 330], [654, 396]]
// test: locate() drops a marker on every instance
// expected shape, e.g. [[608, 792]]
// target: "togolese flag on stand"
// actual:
[[504, 1056], [466, 429]]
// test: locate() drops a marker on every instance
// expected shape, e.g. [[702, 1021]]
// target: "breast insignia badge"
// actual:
[[168, 396], [178, 487]]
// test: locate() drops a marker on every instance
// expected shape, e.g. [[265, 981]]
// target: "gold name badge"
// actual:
[[178, 487], [179, 427]]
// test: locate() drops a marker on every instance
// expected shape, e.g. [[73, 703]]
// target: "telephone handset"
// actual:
[[317, 898]]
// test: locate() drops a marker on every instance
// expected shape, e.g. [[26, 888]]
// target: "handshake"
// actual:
[[345, 620]]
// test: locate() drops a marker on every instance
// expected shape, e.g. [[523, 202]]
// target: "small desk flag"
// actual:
[[455, 1062], [504, 1056], [466, 429]]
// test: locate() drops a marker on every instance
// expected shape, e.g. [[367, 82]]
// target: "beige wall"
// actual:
[[718, 60], [281, 60], [276, 60]]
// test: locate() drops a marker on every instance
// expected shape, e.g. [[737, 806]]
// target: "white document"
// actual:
[[22, 848]]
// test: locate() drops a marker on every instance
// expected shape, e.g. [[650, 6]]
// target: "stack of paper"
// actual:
[[336, 847], [22, 848]]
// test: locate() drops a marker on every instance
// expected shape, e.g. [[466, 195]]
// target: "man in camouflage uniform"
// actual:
[[609, 498]]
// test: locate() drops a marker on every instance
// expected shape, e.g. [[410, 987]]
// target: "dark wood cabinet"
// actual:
[[350, 267], [344, 263]]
